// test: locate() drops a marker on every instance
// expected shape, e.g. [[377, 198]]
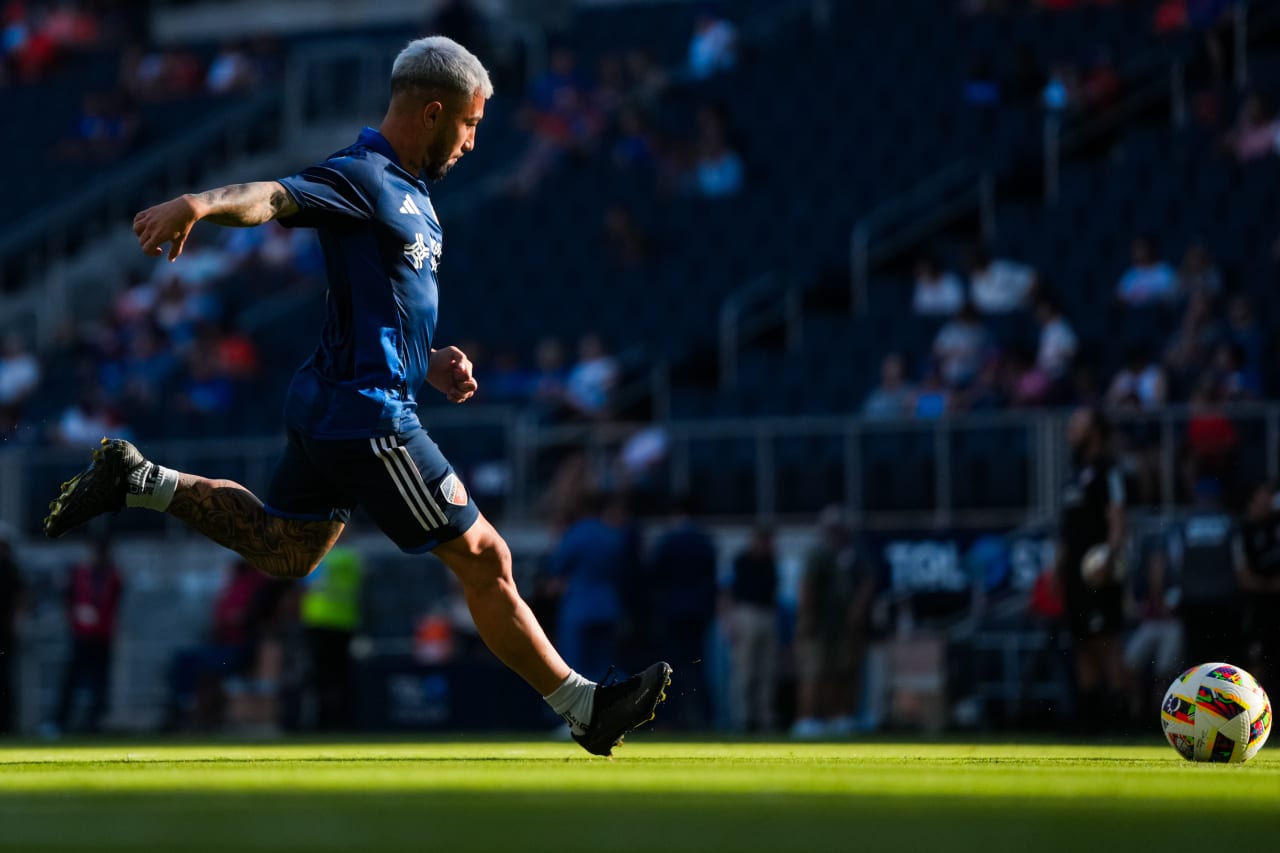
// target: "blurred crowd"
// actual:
[[37, 35], [1185, 336], [171, 351], [181, 335]]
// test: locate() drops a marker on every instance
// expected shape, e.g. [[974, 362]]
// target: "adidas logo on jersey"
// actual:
[[409, 208]]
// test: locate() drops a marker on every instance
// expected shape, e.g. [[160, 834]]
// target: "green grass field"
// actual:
[[656, 796]]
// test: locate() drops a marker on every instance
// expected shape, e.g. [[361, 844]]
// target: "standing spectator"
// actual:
[[19, 376], [1234, 379], [752, 620], [1259, 577], [893, 397], [1207, 552], [713, 48], [1143, 385], [937, 292], [93, 601], [331, 613], [592, 379], [832, 626], [587, 568], [1154, 650], [10, 604], [197, 674], [960, 347], [718, 171], [1244, 331], [682, 575], [1198, 273], [1058, 342], [254, 693], [1150, 280], [1093, 513], [1212, 441], [997, 285], [1195, 338]]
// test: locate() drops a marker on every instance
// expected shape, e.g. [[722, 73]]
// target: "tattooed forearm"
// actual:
[[244, 205], [232, 516]]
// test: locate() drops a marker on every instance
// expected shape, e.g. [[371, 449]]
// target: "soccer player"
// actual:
[[354, 437]]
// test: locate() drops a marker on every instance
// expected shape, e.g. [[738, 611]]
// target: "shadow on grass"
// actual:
[[565, 821]]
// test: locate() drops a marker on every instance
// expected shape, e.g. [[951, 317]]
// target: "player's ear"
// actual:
[[431, 114]]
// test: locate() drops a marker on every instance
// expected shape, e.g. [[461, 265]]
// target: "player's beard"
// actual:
[[438, 162]]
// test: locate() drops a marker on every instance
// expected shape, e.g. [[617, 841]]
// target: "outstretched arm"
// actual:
[[237, 205]]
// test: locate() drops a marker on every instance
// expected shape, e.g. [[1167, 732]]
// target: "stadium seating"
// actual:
[[873, 109]]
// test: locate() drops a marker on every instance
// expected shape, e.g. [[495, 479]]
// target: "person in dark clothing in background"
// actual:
[[93, 600], [682, 576], [1206, 550], [197, 674], [10, 603], [751, 622], [833, 623], [587, 567], [1093, 513], [1259, 575]]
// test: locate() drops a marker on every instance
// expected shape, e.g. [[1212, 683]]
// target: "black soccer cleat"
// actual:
[[98, 489], [621, 707]]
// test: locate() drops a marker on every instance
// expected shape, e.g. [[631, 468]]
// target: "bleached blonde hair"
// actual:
[[439, 62]]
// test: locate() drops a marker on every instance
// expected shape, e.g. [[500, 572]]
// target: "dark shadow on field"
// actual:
[[563, 821]]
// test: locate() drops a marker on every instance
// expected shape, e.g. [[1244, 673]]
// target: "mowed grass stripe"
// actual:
[[656, 796]]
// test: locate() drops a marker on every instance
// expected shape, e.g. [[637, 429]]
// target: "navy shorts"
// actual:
[[402, 481]]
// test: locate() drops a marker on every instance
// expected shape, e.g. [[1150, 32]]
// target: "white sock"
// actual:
[[151, 486], [575, 701]]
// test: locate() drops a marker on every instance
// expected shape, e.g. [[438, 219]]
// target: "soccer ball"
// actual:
[[1216, 712]]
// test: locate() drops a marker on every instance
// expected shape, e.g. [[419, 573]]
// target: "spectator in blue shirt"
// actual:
[[588, 566]]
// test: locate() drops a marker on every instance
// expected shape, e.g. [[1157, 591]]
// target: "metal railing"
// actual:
[[753, 309], [911, 217], [529, 450]]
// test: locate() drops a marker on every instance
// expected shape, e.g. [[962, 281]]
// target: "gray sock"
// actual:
[[575, 701]]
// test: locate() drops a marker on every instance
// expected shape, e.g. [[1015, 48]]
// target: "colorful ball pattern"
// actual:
[[1216, 712]]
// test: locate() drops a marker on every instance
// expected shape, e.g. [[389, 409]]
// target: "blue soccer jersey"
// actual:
[[381, 243]]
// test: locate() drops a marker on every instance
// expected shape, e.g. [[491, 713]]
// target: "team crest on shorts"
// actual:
[[453, 491]]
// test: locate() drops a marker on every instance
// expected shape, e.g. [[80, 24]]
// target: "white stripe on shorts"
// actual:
[[412, 500], [415, 477]]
